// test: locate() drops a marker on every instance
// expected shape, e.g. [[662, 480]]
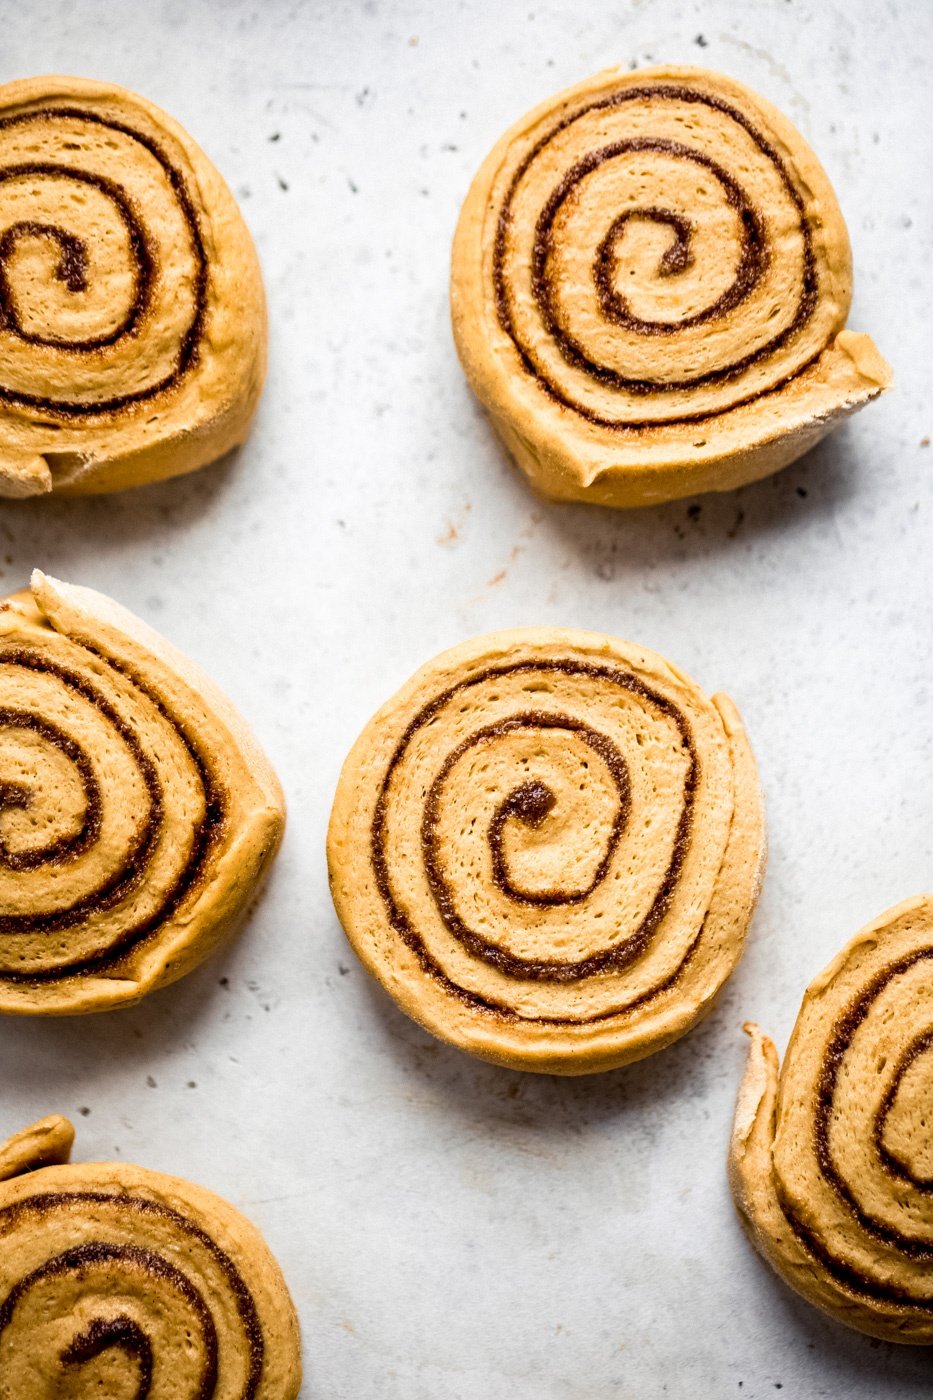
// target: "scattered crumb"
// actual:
[[151, 1082], [452, 534], [737, 524], [84, 1112]]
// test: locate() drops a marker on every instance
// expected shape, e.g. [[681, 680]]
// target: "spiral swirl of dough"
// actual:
[[136, 813], [651, 280], [548, 847], [832, 1156], [119, 1281], [132, 317]]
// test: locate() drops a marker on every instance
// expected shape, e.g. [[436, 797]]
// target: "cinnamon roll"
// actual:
[[832, 1154], [137, 814], [115, 1280], [651, 279], [132, 312], [548, 847]]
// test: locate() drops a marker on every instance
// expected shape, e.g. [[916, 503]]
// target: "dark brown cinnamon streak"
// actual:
[[119, 883], [162, 1268], [754, 259], [530, 802], [105, 1333], [72, 268]]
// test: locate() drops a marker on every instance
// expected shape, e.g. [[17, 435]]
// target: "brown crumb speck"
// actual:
[[736, 524]]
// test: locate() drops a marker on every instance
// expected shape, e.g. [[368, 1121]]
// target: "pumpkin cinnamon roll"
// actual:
[[651, 279], [548, 847], [115, 1280], [832, 1154], [137, 814], [132, 312]]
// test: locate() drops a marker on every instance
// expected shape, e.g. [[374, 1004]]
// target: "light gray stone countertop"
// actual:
[[452, 1231]]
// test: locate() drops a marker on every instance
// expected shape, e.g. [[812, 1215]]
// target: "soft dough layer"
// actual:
[[832, 1156], [548, 847], [137, 814], [115, 1280], [651, 279], [132, 312]]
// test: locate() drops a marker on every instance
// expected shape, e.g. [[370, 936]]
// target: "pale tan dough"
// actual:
[[119, 1281], [133, 327], [548, 847], [831, 1160], [138, 815], [643, 231]]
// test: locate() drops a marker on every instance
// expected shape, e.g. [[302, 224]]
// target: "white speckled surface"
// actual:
[[452, 1231]]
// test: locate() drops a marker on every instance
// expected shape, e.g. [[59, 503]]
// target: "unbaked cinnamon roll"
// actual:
[[137, 813], [132, 312], [832, 1152], [115, 1280], [651, 279], [548, 847]]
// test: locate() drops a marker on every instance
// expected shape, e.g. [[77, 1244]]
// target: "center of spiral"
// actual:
[[530, 803], [676, 258], [114, 1332], [83, 805]]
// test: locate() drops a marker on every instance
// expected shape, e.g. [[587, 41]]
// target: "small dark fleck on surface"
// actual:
[[283, 184], [150, 1081], [737, 524], [924, 442], [223, 982], [354, 188], [700, 41], [802, 491], [693, 512], [343, 969], [276, 136], [84, 1112], [192, 1084]]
